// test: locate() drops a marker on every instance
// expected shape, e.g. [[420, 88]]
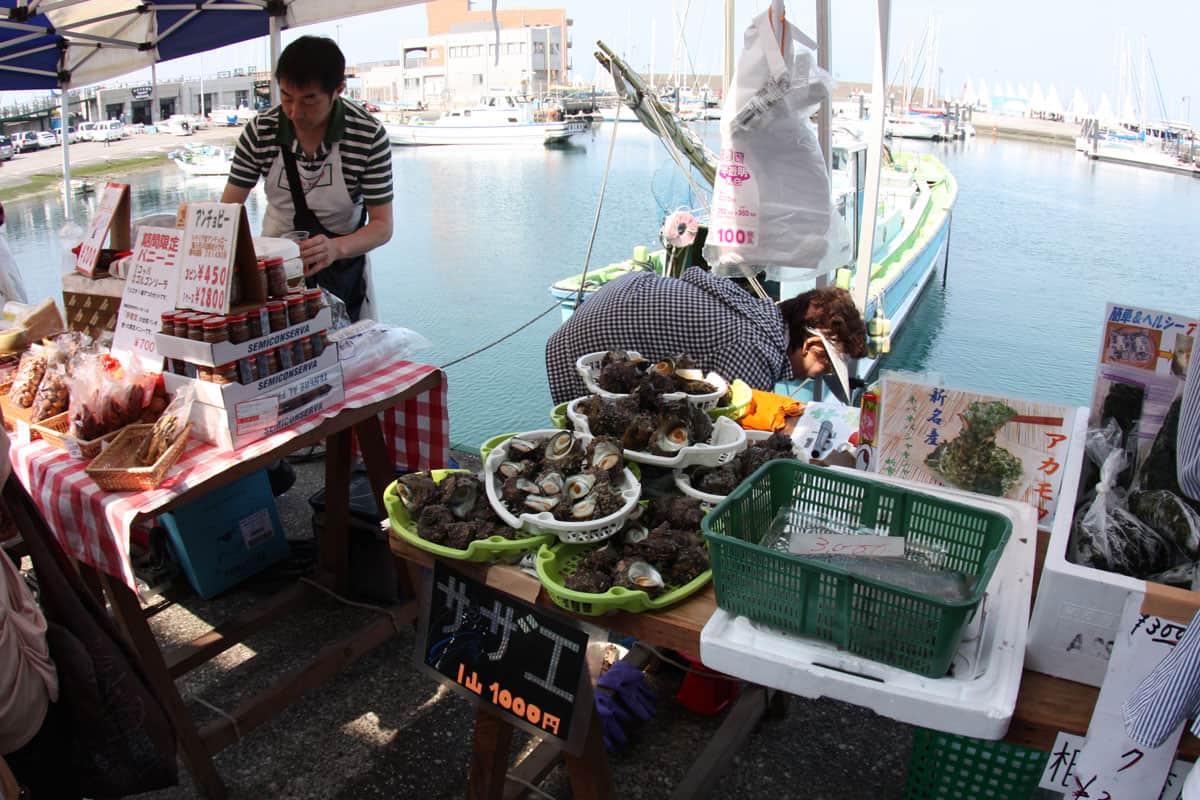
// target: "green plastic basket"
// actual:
[[558, 416], [806, 597], [493, 548], [556, 562], [944, 766], [739, 402]]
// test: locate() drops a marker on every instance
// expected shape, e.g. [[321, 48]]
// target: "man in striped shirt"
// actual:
[[1188, 443], [327, 169]]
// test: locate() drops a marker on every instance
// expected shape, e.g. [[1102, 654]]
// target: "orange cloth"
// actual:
[[769, 411]]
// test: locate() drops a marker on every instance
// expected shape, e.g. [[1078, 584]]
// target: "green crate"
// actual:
[[806, 597], [557, 561], [944, 766]]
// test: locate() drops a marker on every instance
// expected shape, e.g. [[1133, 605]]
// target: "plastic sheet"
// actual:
[[366, 344]]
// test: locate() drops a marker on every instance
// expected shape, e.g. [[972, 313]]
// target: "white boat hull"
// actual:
[[216, 167], [523, 133]]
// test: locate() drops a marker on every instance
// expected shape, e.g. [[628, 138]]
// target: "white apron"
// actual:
[[328, 198]]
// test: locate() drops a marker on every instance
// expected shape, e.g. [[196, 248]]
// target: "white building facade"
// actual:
[[462, 68]]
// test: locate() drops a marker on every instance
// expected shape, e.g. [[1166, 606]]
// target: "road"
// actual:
[[23, 166]]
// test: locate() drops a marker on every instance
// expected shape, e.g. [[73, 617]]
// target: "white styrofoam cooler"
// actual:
[[976, 700], [1078, 608]]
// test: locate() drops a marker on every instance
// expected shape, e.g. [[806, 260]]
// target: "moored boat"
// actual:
[[510, 124]]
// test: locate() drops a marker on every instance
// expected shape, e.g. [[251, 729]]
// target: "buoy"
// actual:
[[879, 332]]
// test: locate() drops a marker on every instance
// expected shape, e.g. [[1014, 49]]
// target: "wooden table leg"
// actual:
[[591, 777], [374, 453], [489, 757], [750, 707], [129, 614], [334, 547]]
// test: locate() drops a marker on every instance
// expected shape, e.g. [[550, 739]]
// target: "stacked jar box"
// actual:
[[243, 325]]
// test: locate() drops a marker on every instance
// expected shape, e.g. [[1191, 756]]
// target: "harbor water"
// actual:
[[1041, 239]]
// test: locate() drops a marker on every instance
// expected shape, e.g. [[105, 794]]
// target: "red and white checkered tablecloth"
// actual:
[[93, 525]]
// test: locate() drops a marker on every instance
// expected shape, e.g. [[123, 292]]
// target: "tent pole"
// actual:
[[154, 93], [66, 153], [866, 236], [275, 48], [824, 59]]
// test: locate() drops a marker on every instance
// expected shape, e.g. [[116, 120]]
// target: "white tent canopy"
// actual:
[[1079, 106], [1053, 104]]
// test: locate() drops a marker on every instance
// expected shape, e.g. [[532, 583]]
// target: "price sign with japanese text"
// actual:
[[996, 446], [216, 239], [1144, 357], [1059, 775], [1111, 765], [150, 289], [111, 215], [522, 664]]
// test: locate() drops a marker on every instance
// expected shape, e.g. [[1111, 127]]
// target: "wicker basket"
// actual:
[[55, 431], [115, 471]]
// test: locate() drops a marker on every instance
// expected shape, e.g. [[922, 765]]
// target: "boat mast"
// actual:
[[824, 60], [866, 235]]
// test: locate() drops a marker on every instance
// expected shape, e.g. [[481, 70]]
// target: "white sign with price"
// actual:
[[114, 206], [150, 289], [1059, 775], [1112, 766], [210, 239]]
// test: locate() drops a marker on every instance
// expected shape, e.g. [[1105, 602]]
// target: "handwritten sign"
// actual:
[[520, 663], [1144, 356], [935, 434], [842, 544], [1059, 775], [209, 244], [1112, 766], [150, 289], [111, 215]]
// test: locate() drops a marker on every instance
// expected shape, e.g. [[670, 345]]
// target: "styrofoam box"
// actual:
[[229, 394], [976, 700], [226, 353], [1078, 608], [248, 421]]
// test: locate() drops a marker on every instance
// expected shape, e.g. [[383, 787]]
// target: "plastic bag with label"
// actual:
[[366, 345], [771, 203]]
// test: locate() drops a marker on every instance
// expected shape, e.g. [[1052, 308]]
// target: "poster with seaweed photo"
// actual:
[[1144, 356], [996, 446]]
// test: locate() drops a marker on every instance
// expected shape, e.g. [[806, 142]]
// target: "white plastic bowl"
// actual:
[[588, 367], [727, 439], [683, 481], [592, 530]]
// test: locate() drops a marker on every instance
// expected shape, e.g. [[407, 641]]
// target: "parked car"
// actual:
[[24, 141], [6, 148], [47, 139], [372, 107], [72, 135], [109, 131], [86, 131]]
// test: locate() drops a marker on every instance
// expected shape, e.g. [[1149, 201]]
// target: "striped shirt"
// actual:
[[1169, 695], [365, 149], [1188, 440], [710, 319]]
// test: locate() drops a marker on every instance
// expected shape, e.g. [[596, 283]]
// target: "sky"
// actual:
[[1068, 43]]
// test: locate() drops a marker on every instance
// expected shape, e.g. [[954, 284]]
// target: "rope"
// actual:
[[220, 711], [508, 335], [531, 787], [612, 143], [347, 601]]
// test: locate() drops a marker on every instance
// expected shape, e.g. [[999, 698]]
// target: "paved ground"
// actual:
[[23, 166], [381, 729]]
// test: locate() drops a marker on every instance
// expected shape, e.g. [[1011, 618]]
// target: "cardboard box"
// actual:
[[280, 407], [229, 394], [229, 535], [214, 355], [1078, 609]]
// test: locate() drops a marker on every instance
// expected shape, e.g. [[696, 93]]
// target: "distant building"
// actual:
[[460, 61]]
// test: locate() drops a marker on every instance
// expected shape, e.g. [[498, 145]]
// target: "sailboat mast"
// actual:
[[727, 65], [824, 60], [866, 235]]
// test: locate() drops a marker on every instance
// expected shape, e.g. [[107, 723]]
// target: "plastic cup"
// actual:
[[294, 236]]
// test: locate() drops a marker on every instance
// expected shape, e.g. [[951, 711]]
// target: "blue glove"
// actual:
[[611, 716], [620, 691]]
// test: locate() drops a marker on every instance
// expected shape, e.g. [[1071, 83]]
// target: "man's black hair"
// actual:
[[312, 59]]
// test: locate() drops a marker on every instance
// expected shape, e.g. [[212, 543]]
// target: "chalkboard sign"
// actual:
[[521, 663]]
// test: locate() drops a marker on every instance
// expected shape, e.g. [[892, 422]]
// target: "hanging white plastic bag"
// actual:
[[366, 345], [771, 204]]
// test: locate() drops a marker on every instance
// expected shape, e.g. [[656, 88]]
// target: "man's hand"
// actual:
[[318, 252]]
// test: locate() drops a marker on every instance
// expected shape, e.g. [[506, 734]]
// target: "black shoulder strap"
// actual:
[[303, 216]]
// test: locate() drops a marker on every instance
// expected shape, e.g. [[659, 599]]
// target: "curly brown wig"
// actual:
[[831, 311]]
